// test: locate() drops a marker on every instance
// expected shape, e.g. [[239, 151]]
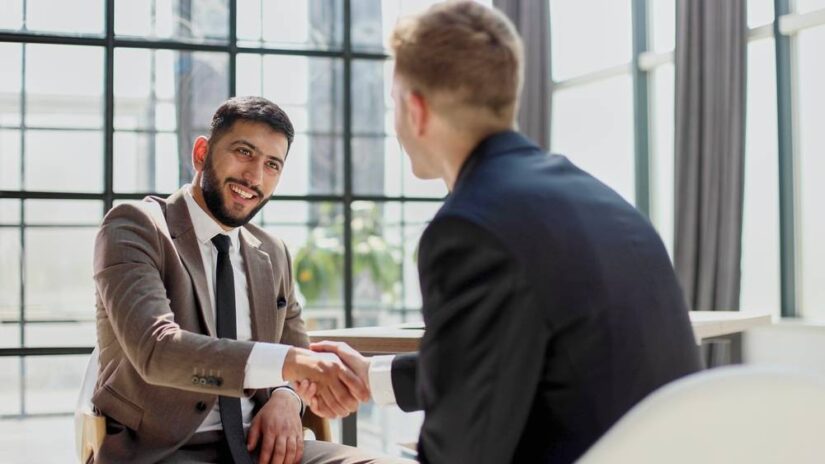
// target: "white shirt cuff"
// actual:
[[380, 377], [265, 365]]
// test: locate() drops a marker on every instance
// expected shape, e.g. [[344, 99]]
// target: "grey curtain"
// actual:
[[532, 20], [711, 46]]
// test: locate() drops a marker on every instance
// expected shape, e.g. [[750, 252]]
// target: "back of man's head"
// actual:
[[465, 59]]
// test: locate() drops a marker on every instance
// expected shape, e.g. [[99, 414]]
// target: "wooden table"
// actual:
[[407, 337]]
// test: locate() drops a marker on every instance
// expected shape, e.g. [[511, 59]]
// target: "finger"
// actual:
[[299, 448], [343, 397], [302, 388], [312, 389], [355, 384], [337, 409], [291, 449], [254, 434], [326, 346], [280, 450], [266, 449]]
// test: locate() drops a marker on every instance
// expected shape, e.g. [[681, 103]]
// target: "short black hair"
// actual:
[[257, 109]]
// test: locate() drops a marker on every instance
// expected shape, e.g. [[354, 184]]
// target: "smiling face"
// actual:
[[238, 172]]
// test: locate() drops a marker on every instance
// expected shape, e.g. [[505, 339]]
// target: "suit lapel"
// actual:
[[261, 282], [186, 242]]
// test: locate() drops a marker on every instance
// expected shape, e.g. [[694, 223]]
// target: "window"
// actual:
[[593, 91], [119, 122]]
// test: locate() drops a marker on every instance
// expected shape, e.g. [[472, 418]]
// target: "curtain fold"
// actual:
[[532, 20], [711, 51]]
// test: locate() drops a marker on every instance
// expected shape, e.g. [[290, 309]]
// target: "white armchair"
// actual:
[[736, 414]]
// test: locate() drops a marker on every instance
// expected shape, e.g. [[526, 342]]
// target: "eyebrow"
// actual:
[[255, 149]]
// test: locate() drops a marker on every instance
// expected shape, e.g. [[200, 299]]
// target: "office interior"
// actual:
[[100, 101]]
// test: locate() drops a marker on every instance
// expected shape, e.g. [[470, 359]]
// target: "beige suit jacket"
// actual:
[[161, 366]]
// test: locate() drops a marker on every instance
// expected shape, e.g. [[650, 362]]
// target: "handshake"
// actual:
[[331, 377]]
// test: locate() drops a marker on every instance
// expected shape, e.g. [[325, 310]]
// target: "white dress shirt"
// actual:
[[380, 378], [265, 364]]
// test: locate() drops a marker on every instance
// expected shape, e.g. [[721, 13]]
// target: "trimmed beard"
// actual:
[[211, 189]]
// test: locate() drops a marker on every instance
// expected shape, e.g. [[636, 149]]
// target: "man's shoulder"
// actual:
[[150, 210]]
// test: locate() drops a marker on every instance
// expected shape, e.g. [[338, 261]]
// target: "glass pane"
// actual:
[[51, 382], [316, 24], [163, 100], [804, 6], [10, 159], [52, 165], [187, 20], [310, 90], [589, 36], [59, 281], [374, 20], [371, 98], [662, 24], [315, 165], [149, 162], [72, 17], [9, 284], [75, 99], [10, 385], [760, 227], [62, 333], [385, 271], [604, 108], [811, 170], [661, 142], [10, 212], [313, 233], [380, 167], [760, 12], [64, 212], [12, 17], [11, 77]]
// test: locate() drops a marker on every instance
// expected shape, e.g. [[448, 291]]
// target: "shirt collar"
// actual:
[[206, 227]]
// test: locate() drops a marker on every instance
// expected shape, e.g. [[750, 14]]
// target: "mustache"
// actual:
[[245, 184]]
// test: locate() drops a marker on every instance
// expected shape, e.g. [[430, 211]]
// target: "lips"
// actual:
[[242, 192]]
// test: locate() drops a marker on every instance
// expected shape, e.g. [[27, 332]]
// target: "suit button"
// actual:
[[201, 406], [195, 379]]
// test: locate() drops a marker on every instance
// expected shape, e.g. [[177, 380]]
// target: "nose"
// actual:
[[254, 173]]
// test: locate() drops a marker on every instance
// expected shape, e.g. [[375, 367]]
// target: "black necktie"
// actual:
[[230, 408]]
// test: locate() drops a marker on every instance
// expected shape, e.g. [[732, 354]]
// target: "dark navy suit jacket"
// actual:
[[551, 308]]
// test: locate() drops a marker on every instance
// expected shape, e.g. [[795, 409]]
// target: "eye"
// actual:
[[245, 151], [274, 165]]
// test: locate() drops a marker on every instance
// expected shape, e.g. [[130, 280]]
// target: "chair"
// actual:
[[735, 414], [90, 427]]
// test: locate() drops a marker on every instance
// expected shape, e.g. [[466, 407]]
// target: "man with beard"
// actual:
[[198, 325]]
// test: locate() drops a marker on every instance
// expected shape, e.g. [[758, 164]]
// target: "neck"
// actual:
[[456, 149]]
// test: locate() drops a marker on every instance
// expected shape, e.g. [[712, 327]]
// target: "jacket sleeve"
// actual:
[[482, 354], [128, 269]]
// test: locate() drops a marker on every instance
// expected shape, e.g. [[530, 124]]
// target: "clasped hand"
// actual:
[[333, 384]]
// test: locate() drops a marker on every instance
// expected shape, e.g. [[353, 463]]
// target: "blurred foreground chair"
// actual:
[[90, 427], [736, 414]]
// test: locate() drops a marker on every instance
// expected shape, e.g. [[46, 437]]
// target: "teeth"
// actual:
[[241, 192]]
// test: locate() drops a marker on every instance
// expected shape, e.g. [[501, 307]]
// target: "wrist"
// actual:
[[289, 398]]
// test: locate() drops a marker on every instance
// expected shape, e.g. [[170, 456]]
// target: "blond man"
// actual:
[[550, 303]]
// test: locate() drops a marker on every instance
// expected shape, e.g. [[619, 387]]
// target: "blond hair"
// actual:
[[462, 54]]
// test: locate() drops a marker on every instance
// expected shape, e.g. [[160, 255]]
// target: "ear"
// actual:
[[199, 152], [419, 112]]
